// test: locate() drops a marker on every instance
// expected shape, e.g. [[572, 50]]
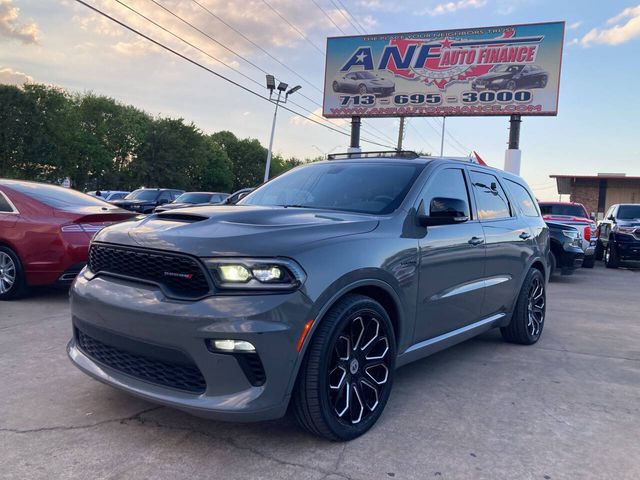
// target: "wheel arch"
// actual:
[[376, 289]]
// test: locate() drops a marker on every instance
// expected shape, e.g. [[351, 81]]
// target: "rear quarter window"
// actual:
[[524, 203]]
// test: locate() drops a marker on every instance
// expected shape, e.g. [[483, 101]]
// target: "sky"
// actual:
[[61, 42]]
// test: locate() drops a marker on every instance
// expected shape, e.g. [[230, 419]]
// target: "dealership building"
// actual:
[[597, 193]]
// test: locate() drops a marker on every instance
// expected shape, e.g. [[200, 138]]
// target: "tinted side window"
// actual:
[[4, 204], [449, 183], [492, 201], [165, 196], [522, 198]]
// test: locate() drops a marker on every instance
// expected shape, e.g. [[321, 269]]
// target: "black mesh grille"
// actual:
[[180, 275], [179, 376]]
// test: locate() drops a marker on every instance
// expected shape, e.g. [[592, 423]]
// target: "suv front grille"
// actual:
[[185, 376], [181, 276]]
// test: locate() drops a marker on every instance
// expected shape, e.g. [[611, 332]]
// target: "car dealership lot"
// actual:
[[567, 407]]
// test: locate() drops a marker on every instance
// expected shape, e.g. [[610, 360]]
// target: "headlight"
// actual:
[[255, 273], [626, 230]]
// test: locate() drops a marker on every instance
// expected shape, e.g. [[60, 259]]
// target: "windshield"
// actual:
[[375, 188], [365, 75], [628, 212], [193, 198], [56, 197], [563, 209], [508, 68], [142, 194]]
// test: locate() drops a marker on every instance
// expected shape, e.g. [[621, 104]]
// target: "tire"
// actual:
[[362, 89], [599, 250], [543, 82], [335, 86], [528, 317], [511, 85], [589, 262], [331, 369], [12, 281], [611, 258]]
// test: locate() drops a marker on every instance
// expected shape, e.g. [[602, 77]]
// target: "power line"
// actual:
[[256, 45], [237, 55], [328, 16], [310, 112], [347, 18], [203, 67], [294, 27], [421, 136]]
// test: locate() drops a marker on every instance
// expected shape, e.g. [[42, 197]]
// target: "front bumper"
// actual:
[[139, 320], [628, 250]]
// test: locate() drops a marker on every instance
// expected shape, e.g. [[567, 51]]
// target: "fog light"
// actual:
[[232, 346]]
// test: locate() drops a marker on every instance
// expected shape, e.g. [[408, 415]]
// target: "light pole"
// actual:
[[282, 87]]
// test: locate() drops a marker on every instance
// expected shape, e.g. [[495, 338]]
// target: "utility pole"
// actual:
[[273, 131], [444, 119], [354, 147], [282, 87], [400, 134], [513, 155]]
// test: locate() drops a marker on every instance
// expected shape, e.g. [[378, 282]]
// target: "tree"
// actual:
[[247, 156]]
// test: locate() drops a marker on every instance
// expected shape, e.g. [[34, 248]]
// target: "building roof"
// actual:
[[564, 182], [600, 176]]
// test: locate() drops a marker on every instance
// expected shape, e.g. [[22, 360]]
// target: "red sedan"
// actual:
[[45, 233]]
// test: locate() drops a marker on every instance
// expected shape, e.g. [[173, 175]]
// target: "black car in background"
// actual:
[[193, 199], [145, 200], [511, 77], [566, 252], [619, 235]]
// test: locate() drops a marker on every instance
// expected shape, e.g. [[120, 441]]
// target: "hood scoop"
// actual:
[[181, 217]]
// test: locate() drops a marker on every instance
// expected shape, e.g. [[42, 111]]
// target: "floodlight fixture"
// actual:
[[271, 82], [283, 86], [293, 90]]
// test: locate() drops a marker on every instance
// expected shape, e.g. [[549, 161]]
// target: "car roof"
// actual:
[[559, 203]]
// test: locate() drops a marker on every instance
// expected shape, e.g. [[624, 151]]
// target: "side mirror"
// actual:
[[445, 211], [612, 218]]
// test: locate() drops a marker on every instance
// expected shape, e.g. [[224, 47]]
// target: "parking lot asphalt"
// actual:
[[565, 408]]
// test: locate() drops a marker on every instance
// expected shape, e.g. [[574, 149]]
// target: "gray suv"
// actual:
[[312, 290]]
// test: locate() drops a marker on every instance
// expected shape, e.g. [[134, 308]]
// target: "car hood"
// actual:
[[379, 82], [237, 230], [494, 76], [629, 223], [132, 202]]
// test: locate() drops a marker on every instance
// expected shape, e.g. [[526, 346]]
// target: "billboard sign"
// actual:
[[506, 70]]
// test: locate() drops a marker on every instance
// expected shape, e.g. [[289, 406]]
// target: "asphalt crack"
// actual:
[[239, 446], [63, 428]]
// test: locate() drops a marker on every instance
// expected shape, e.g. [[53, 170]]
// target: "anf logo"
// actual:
[[187, 276]]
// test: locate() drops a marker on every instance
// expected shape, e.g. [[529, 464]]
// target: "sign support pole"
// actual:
[[355, 135], [513, 155], [400, 134], [442, 138]]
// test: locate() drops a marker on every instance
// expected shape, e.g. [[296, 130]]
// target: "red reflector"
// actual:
[[587, 233], [303, 335]]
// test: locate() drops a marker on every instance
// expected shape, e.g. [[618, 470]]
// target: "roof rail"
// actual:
[[402, 154]]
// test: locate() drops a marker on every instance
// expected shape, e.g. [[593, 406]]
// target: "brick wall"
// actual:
[[586, 192]]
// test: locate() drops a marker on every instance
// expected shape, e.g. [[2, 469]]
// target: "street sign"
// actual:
[[507, 70]]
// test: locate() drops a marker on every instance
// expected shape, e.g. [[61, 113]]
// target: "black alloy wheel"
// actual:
[[511, 85], [362, 89], [335, 86], [347, 373], [528, 317]]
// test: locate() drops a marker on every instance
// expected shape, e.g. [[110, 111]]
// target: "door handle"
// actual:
[[476, 240], [524, 235]]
